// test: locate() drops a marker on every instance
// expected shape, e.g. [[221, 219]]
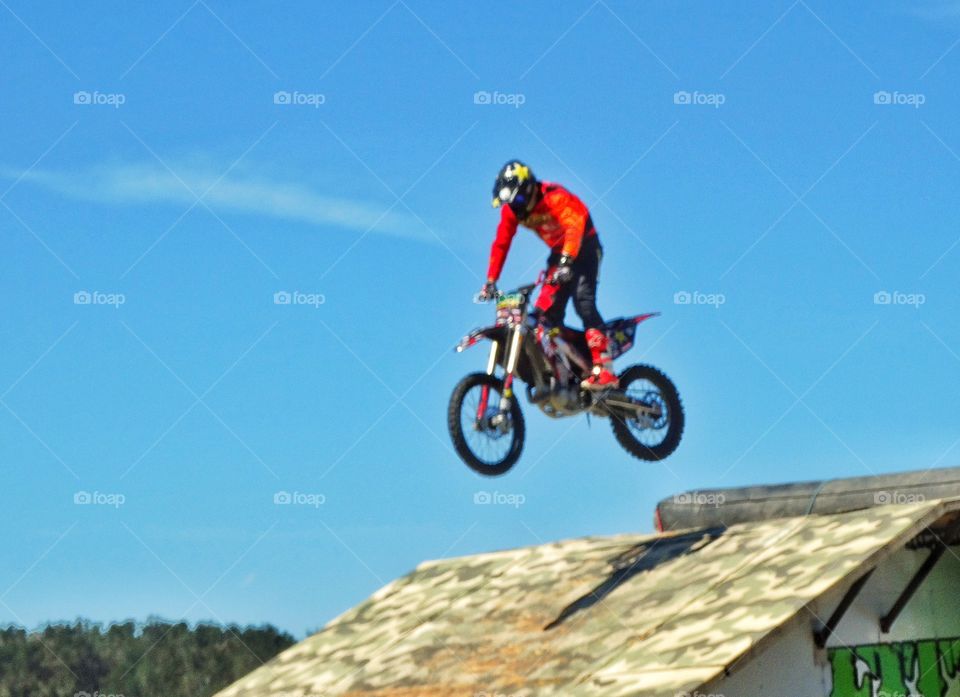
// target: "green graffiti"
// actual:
[[845, 683], [927, 668]]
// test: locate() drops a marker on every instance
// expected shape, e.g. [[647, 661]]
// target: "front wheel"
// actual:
[[486, 440], [655, 435]]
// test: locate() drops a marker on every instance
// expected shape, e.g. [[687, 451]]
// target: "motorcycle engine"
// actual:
[[557, 402], [562, 402]]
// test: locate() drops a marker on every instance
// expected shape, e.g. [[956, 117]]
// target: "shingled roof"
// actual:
[[627, 615]]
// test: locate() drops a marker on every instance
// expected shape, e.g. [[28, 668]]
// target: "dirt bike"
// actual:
[[484, 416]]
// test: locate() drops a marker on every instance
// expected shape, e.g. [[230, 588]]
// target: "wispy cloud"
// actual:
[[147, 184]]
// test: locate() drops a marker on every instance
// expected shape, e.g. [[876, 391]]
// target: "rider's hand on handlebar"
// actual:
[[563, 273], [488, 292]]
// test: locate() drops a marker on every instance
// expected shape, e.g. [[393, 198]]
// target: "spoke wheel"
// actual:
[[489, 442], [650, 436]]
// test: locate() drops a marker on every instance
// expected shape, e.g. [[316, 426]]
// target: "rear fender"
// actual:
[[637, 319], [621, 332]]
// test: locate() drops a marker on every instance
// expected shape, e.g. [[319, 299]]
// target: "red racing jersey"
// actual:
[[560, 219]]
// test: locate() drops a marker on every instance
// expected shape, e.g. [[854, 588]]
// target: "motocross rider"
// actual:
[[563, 222]]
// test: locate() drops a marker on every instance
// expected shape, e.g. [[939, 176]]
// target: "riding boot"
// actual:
[[602, 376]]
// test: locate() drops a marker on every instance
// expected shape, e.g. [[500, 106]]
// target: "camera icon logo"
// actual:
[[682, 297], [282, 297], [82, 297], [882, 97], [482, 97], [482, 498], [82, 97], [682, 97], [82, 498], [282, 97], [882, 297], [282, 498]]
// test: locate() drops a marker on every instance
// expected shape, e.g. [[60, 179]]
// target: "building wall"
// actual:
[[920, 657]]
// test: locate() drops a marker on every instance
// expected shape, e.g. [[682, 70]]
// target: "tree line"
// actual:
[[129, 659]]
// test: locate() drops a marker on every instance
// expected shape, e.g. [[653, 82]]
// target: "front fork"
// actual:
[[513, 355]]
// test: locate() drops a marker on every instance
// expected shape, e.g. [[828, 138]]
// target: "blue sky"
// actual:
[[146, 158]]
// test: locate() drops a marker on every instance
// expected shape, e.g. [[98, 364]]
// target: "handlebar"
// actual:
[[525, 290]]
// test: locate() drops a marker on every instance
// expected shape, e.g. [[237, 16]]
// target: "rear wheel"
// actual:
[[649, 436], [489, 442]]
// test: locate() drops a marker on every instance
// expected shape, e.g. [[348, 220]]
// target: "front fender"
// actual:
[[477, 335]]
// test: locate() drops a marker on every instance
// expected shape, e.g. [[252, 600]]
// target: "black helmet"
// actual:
[[517, 187]]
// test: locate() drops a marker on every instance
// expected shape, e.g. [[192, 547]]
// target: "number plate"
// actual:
[[510, 309]]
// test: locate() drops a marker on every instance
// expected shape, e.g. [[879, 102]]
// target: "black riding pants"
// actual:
[[552, 302]]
